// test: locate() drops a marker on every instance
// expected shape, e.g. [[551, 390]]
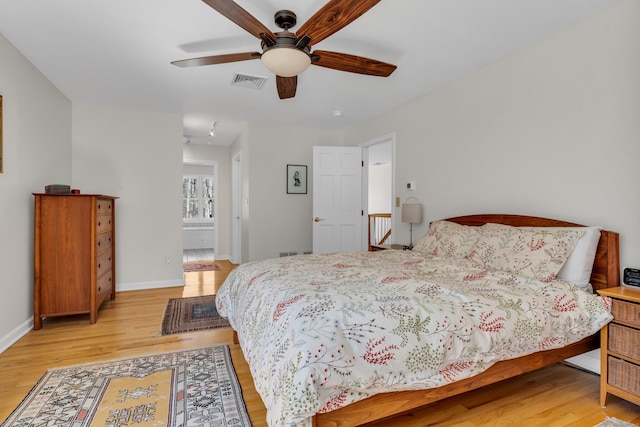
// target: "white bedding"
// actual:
[[322, 331]]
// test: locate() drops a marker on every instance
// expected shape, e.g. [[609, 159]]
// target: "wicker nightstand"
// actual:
[[620, 346]]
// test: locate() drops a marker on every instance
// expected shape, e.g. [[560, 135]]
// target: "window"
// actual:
[[197, 198]]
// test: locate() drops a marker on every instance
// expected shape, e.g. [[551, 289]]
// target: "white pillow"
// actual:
[[578, 267]]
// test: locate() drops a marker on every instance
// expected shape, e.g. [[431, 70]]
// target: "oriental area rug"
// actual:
[[184, 388], [191, 314], [200, 266]]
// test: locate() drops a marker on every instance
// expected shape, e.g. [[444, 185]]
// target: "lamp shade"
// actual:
[[412, 213], [285, 61]]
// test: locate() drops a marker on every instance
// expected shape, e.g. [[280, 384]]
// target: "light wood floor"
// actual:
[[129, 326]]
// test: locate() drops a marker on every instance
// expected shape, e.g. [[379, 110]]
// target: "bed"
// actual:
[[345, 339]]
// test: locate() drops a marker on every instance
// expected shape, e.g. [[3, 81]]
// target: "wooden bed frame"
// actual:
[[606, 274]]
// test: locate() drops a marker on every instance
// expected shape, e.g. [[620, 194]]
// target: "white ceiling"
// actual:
[[118, 53]]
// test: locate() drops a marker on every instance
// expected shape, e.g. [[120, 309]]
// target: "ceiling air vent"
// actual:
[[247, 80]]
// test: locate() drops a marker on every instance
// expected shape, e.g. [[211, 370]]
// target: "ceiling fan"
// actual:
[[288, 54]]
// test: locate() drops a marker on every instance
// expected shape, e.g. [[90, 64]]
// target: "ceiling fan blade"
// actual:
[[232, 11], [217, 59], [332, 17], [353, 63], [286, 86]]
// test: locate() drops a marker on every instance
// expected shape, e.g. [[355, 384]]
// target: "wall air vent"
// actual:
[[247, 80]]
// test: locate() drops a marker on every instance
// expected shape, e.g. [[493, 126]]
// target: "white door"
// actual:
[[337, 199], [236, 210]]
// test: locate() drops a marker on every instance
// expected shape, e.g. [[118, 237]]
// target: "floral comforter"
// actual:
[[322, 331]]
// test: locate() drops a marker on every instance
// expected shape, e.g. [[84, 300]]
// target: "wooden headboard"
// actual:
[[606, 266]]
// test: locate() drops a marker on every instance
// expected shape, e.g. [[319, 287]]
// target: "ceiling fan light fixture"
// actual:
[[285, 61]]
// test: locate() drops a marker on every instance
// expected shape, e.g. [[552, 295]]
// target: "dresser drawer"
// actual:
[[103, 224], [624, 341], [624, 375], [103, 241], [625, 311], [103, 263], [104, 207], [104, 285]]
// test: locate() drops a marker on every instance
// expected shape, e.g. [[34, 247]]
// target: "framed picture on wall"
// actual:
[[296, 179]]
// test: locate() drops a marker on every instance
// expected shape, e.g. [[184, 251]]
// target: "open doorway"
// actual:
[[378, 189], [199, 211]]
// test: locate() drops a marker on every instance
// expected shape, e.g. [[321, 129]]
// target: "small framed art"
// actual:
[[296, 179]]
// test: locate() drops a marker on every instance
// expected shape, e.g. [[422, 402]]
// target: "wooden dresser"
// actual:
[[620, 346], [74, 254]]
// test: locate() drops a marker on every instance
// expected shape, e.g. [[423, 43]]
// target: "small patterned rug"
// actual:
[[614, 422], [201, 266], [183, 388], [191, 314]]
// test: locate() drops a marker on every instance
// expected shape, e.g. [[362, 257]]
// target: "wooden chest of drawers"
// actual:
[[74, 254], [620, 346]]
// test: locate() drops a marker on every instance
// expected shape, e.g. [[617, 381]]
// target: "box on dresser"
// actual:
[[74, 254], [57, 189]]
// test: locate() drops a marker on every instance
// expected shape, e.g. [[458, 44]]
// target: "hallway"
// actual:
[[197, 254]]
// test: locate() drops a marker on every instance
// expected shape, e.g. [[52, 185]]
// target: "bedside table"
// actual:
[[385, 247], [620, 346]]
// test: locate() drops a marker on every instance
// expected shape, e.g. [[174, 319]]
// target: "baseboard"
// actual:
[[21, 330], [138, 286], [13, 336], [589, 361]]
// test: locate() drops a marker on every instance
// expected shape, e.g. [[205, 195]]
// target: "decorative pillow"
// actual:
[[579, 265], [536, 254], [448, 240]]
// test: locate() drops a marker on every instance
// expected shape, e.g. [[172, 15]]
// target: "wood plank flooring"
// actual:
[[129, 326]]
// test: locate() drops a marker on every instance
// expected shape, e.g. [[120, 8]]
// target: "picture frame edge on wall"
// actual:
[[296, 179]]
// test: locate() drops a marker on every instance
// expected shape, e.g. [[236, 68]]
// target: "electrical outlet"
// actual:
[[168, 260]]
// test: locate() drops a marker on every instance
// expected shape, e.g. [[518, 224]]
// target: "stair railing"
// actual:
[[379, 228]]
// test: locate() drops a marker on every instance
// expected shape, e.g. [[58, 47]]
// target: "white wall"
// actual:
[[37, 152], [136, 156], [198, 152], [274, 221], [380, 182], [552, 131]]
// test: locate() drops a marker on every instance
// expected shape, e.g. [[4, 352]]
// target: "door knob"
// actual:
[[316, 219]]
